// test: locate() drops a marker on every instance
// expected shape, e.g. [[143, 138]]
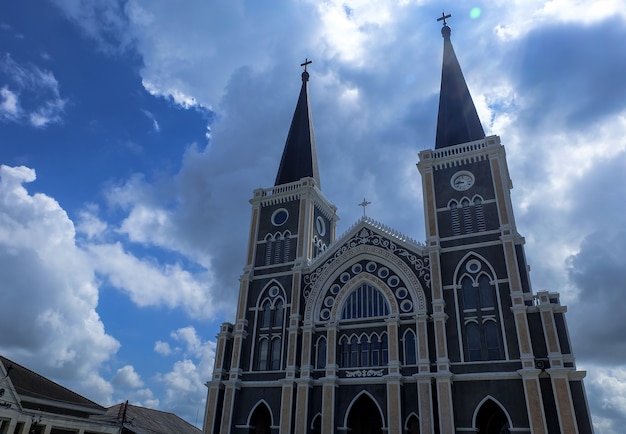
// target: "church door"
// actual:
[[260, 421], [365, 418], [491, 419]]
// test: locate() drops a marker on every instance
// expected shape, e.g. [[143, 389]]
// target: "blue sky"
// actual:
[[133, 133]]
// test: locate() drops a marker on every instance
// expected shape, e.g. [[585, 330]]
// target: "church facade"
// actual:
[[374, 332]]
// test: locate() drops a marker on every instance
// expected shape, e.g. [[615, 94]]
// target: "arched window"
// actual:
[[469, 294], [276, 350], [320, 360], [366, 351], [486, 292], [266, 314], [385, 348], [410, 354], [278, 314], [375, 345], [344, 347], [365, 302], [263, 354], [480, 214], [479, 315], [354, 352], [473, 342], [270, 320], [492, 339]]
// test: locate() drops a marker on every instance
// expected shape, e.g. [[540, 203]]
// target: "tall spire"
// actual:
[[458, 120], [299, 158]]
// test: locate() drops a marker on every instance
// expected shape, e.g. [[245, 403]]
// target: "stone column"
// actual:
[[563, 399], [534, 401], [329, 382], [424, 387], [302, 405], [303, 383], [286, 406]]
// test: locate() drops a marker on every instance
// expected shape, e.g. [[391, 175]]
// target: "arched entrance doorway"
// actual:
[[261, 420], [365, 417], [491, 419]]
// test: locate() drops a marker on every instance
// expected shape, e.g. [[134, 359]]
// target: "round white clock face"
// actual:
[[462, 181]]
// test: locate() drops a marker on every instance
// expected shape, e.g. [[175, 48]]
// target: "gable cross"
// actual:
[[364, 204]]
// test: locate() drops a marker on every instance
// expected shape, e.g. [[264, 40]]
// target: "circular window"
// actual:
[[325, 314], [406, 306], [383, 272], [280, 216], [344, 277], [371, 266], [328, 301], [335, 289], [320, 226], [274, 291], [401, 292], [357, 268], [473, 266], [393, 281]]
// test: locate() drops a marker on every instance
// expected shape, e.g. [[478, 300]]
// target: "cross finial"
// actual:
[[443, 18], [306, 62], [364, 204]]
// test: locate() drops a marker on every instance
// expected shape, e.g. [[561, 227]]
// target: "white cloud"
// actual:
[[90, 224], [162, 348], [127, 377], [29, 83], [149, 283], [185, 390], [48, 278], [9, 107]]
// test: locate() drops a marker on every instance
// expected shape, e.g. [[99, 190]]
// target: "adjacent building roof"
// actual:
[[34, 389], [457, 121], [141, 420], [299, 158]]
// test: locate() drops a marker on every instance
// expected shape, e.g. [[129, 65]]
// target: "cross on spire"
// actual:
[[306, 62], [443, 18], [364, 204]]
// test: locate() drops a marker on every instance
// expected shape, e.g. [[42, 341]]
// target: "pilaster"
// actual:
[[563, 398], [286, 407], [534, 401], [302, 405]]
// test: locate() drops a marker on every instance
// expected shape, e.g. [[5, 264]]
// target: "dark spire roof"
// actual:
[[299, 158], [458, 120]]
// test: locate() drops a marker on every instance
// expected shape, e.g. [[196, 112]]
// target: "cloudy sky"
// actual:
[[132, 134]]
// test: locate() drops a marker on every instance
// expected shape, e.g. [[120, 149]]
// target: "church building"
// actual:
[[373, 332]]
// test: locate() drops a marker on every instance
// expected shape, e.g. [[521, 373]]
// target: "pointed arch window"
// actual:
[[486, 292], [474, 350], [263, 354], [367, 350], [269, 330], [492, 340], [469, 294], [479, 315], [410, 349], [278, 314], [320, 358], [276, 351], [266, 315]]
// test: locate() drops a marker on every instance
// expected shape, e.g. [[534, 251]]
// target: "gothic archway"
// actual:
[[261, 420], [365, 417], [490, 419]]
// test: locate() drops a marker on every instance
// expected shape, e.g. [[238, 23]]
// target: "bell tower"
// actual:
[[292, 222], [484, 312]]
